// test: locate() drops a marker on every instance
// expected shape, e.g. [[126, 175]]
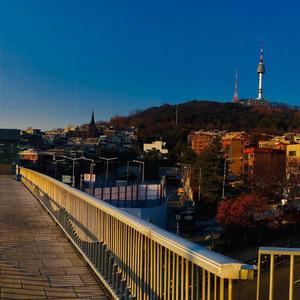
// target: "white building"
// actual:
[[157, 145]]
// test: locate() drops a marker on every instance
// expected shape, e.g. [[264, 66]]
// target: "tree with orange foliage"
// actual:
[[240, 211]]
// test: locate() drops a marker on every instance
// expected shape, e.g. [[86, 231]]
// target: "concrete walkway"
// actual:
[[36, 259]]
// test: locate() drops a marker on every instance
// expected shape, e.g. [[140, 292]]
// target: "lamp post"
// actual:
[[143, 165], [199, 187], [177, 224], [224, 178], [73, 168], [92, 163], [107, 162], [55, 161], [128, 169], [224, 173]]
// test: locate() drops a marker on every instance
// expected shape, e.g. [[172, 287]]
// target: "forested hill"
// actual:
[[156, 122]]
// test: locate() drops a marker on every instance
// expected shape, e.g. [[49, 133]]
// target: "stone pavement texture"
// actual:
[[36, 259]]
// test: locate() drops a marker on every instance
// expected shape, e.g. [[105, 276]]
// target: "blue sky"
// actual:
[[59, 59]]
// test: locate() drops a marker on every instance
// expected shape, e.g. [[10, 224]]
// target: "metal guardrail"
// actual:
[[272, 252], [135, 259]]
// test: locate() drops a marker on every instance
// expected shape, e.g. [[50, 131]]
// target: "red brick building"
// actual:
[[199, 140], [264, 168]]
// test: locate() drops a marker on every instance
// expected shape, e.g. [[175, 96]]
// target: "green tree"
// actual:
[[188, 156], [211, 162]]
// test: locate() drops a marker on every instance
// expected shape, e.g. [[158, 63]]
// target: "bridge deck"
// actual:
[[36, 260]]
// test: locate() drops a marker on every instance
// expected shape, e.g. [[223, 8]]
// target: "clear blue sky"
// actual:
[[59, 58]]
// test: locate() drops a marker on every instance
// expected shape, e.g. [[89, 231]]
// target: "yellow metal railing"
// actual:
[[135, 259], [269, 254]]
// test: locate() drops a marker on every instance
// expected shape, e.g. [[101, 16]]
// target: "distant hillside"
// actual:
[[194, 115]]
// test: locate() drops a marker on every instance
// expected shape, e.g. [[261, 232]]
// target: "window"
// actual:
[[292, 153]]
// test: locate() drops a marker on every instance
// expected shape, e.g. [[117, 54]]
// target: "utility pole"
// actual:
[[176, 116], [91, 174], [55, 161], [224, 178], [199, 187], [81, 179]]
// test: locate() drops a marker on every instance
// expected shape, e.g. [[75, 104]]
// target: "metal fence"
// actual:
[[140, 195], [269, 255], [135, 259]]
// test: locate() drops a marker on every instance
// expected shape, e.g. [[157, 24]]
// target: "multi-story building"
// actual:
[[29, 155], [109, 132], [293, 152], [9, 148], [293, 161], [264, 168], [30, 130], [71, 128], [279, 142], [234, 144], [157, 145], [273, 144], [199, 140]]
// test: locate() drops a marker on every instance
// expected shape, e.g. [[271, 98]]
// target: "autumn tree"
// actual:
[[240, 212]]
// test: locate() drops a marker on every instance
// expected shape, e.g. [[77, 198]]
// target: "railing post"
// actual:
[[271, 289], [114, 275], [230, 289], [258, 276], [291, 290], [110, 268], [203, 285]]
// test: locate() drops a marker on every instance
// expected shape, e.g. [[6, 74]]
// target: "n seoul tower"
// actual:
[[235, 98], [260, 71]]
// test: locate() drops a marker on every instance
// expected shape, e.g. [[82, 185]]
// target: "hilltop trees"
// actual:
[[207, 115], [159, 122]]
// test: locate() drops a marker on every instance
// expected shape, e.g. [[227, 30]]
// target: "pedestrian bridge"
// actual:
[[36, 259], [127, 258]]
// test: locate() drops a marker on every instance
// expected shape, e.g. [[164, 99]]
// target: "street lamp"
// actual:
[[55, 161], [199, 185], [73, 168], [107, 162], [128, 163], [177, 224], [224, 173], [224, 178], [143, 165], [91, 171]]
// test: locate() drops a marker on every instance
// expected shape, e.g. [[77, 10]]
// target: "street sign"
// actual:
[[89, 177], [188, 218], [66, 179]]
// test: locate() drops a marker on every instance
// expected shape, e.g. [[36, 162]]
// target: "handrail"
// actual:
[[279, 250], [271, 253], [157, 249]]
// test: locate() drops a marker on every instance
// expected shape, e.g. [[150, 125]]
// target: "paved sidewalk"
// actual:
[[36, 259]]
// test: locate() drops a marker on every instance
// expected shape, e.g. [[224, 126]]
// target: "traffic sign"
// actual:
[[89, 177], [66, 179]]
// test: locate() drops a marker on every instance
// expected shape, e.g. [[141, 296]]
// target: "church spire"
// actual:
[[92, 127], [92, 118]]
